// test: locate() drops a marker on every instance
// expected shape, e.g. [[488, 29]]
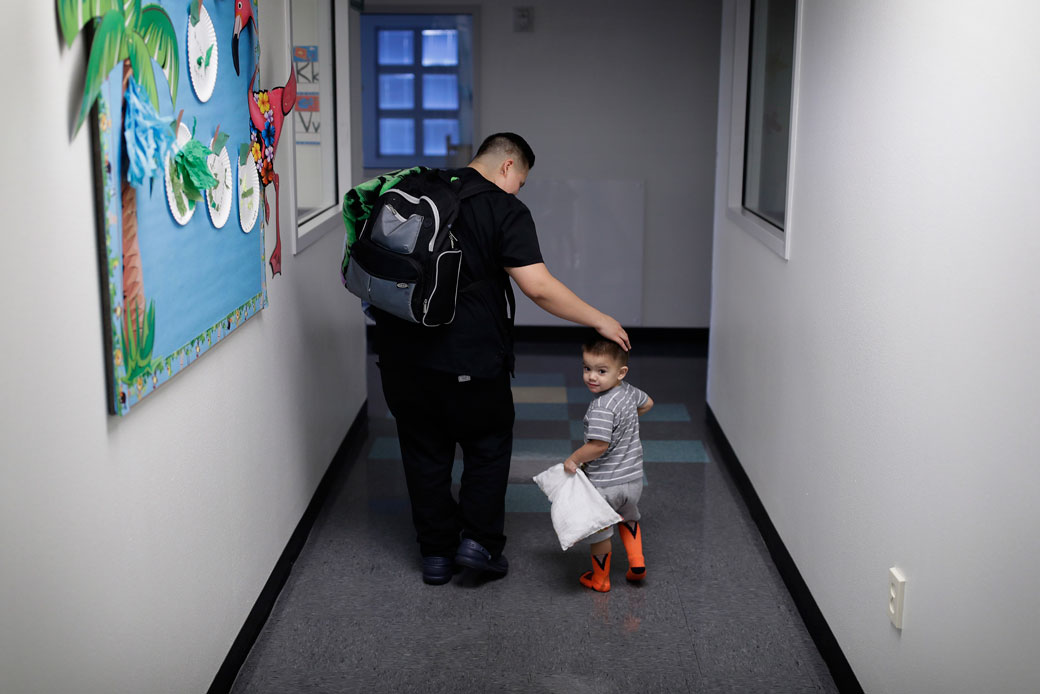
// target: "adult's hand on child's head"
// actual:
[[612, 330]]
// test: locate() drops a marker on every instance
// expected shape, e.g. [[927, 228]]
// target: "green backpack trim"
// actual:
[[359, 201]]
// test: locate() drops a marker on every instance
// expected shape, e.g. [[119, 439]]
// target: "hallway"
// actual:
[[712, 616]]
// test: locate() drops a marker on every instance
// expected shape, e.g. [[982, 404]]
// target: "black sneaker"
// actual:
[[437, 571], [472, 555]]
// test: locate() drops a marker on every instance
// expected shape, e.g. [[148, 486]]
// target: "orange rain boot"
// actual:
[[632, 537], [599, 578]]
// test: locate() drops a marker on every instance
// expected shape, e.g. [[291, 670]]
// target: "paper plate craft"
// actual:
[[202, 55], [181, 207], [248, 194], [219, 199]]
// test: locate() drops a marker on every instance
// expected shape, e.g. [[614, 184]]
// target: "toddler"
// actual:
[[612, 456]]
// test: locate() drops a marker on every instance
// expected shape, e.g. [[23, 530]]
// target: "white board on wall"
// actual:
[[591, 236]]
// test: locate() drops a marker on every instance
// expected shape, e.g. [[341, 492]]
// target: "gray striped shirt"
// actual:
[[612, 417]]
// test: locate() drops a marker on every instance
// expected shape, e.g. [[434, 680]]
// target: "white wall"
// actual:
[[882, 387], [606, 90], [132, 549]]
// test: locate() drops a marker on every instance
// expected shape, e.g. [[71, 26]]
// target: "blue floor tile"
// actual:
[[535, 411], [688, 451], [579, 394]]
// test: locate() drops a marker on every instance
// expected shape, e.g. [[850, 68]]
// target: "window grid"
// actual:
[[439, 101], [424, 119]]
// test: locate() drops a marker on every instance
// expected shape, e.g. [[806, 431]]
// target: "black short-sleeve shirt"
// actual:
[[495, 231]]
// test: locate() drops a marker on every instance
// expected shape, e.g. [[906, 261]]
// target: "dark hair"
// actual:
[[509, 144], [606, 348]]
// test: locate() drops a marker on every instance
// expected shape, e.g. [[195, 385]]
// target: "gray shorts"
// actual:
[[623, 498]]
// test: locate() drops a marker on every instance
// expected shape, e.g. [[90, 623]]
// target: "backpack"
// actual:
[[405, 260]]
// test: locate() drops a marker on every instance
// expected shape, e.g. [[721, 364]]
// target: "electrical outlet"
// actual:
[[896, 596]]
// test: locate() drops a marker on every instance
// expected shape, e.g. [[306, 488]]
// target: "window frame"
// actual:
[[772, 236], [318, 223], [371, 159]]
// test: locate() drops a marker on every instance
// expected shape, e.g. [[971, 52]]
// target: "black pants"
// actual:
[[434, 412]]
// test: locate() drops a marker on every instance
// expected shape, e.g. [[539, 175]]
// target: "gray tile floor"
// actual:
[[712, 616]]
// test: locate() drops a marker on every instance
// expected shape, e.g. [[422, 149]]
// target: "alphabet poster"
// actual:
[[308, 104]]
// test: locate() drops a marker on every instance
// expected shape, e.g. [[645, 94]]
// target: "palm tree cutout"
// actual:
[[127, 33]]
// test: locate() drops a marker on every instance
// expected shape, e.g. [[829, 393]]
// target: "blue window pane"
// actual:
[[440, 47], [395, 48], [440, 92], [396, 136], [435, 134], [396, 90]]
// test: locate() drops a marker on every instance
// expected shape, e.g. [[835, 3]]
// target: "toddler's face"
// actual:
[[601, 373]]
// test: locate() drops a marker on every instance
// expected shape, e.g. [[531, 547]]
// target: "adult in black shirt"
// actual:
[[449, 385]]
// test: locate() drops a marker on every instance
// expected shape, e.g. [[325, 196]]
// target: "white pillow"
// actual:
[[578, 510]]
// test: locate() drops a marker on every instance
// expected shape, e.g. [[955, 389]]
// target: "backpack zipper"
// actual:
[[395, 213], [436, 282], [415, 201]]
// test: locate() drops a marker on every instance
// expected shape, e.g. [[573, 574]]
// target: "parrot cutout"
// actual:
[[243, 17], [267, 112]]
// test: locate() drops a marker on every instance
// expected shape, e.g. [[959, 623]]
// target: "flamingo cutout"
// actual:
[[267, 112], [243, 17]]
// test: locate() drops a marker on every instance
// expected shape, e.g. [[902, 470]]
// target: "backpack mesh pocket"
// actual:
[[394, 232]]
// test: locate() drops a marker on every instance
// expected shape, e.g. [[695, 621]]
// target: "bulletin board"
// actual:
[[180, 273]]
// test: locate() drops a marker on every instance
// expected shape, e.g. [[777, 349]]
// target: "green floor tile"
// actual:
[[526, 498], [680, 451], [385, 448], [557, 449], [667, 412]]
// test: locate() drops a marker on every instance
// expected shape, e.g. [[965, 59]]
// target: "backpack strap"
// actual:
[[478, 185], [475, 187], [467, 189]]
